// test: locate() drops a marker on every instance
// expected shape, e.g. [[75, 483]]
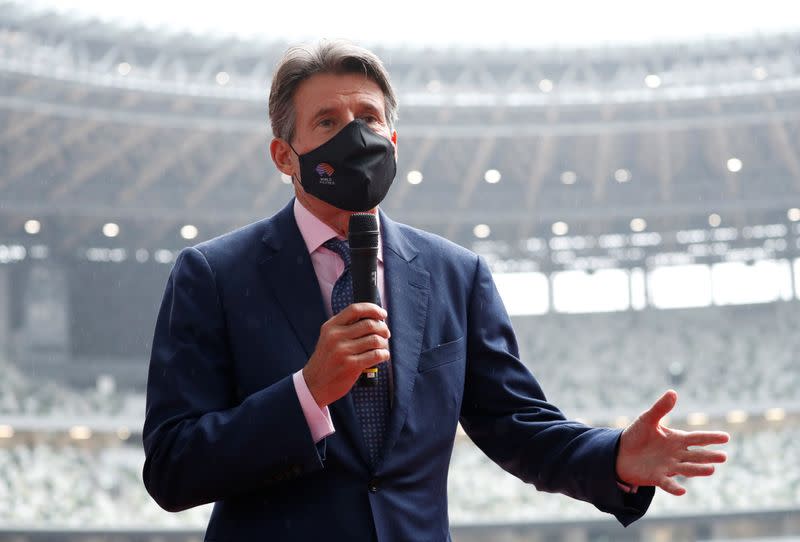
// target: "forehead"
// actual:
[[324, 90]]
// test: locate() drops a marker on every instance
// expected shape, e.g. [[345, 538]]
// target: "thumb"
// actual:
[[660, 408]]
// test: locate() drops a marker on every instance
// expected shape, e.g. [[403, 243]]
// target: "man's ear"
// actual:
[[394, 142], [282, 155]]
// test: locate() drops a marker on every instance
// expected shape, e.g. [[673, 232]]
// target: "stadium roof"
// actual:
[[151, 131], [416, 23]]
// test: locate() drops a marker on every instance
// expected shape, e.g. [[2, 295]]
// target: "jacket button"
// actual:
[[373, 485]]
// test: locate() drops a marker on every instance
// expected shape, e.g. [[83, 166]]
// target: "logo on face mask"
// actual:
[[325, 172]]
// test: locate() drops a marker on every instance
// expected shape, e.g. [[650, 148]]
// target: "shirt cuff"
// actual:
[[627, 488], [318, 419]]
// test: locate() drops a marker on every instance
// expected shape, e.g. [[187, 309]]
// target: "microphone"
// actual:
[[363, 240]]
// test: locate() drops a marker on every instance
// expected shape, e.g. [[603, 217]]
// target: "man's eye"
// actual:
[[325, 123], [370, 119]]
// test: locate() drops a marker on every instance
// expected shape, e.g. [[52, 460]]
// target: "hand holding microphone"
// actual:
[[356, 340]]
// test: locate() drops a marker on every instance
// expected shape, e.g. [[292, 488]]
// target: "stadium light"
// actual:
[[163, 256], [110, 229], [734, 165], [560, 228], [223, 78], [414, 177], [736, 416], [123, 68], [6, 431], [434, 85], [106, 385], [775, 414], [546, 85], [80, 432], [492, 176], [482, 231], [793, 214], [652, 81], [569, 177], [759, 73], [189, 232], [142, 255], [638, 225], [123, 433], [714, 220], [33, 227], [622, 175]]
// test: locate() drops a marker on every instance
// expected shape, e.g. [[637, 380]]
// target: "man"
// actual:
[[255, 396]]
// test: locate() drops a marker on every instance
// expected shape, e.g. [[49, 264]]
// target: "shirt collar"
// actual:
[[315, 232]]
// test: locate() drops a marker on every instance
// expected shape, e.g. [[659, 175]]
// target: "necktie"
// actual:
[[371, 400]]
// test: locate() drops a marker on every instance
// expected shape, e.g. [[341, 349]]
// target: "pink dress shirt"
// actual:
[[327, 266]]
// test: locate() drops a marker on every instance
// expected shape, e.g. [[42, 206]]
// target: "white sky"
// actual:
[[498, 23], [670, 287]]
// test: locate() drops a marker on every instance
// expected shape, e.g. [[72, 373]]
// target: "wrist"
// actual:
[[618, 474], [315, 393]]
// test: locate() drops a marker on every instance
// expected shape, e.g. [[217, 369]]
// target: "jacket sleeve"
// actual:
[[202, 444], [506, 414]]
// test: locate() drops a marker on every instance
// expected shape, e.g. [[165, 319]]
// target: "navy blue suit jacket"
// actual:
[[242, 312]]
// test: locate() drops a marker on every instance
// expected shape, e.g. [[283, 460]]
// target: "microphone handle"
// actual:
[[364, 270]]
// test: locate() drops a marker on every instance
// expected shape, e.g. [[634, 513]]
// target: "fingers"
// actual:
[[704, 438], [660, 408], [692, 469], [671, 486], [359, 311], [371, 358], [703, 456], [362, 328], [366, 343]]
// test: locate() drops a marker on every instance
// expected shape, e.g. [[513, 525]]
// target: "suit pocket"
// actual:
[[442, 355]]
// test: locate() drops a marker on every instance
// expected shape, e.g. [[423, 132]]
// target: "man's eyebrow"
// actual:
[[372, 107], [322, 112]]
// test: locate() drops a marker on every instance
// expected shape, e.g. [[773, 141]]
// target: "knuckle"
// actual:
[[371, 326]]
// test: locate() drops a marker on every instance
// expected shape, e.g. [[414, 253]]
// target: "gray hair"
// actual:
[[335, 56]]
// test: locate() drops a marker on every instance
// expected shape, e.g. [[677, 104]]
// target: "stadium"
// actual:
[[638, 205]]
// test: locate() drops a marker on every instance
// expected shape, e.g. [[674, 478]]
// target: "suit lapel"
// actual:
[[290, 274], [408, 290], [291, 277]]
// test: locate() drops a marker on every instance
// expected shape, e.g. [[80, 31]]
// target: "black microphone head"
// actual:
[[363, 231]]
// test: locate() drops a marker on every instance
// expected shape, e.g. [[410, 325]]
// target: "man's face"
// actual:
[[324, 104]]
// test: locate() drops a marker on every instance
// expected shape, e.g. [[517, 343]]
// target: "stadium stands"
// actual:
[[101, 487], [605, 365], [596, 366]]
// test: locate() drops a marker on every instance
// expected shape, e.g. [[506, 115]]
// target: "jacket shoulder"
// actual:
[[432, 246], [234, 247]]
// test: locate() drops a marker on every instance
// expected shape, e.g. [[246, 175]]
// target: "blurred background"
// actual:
[[630, 172]]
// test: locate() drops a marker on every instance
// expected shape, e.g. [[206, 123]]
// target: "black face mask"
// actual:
[[352, 171]]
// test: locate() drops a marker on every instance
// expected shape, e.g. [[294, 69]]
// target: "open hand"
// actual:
[[650, 454]]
